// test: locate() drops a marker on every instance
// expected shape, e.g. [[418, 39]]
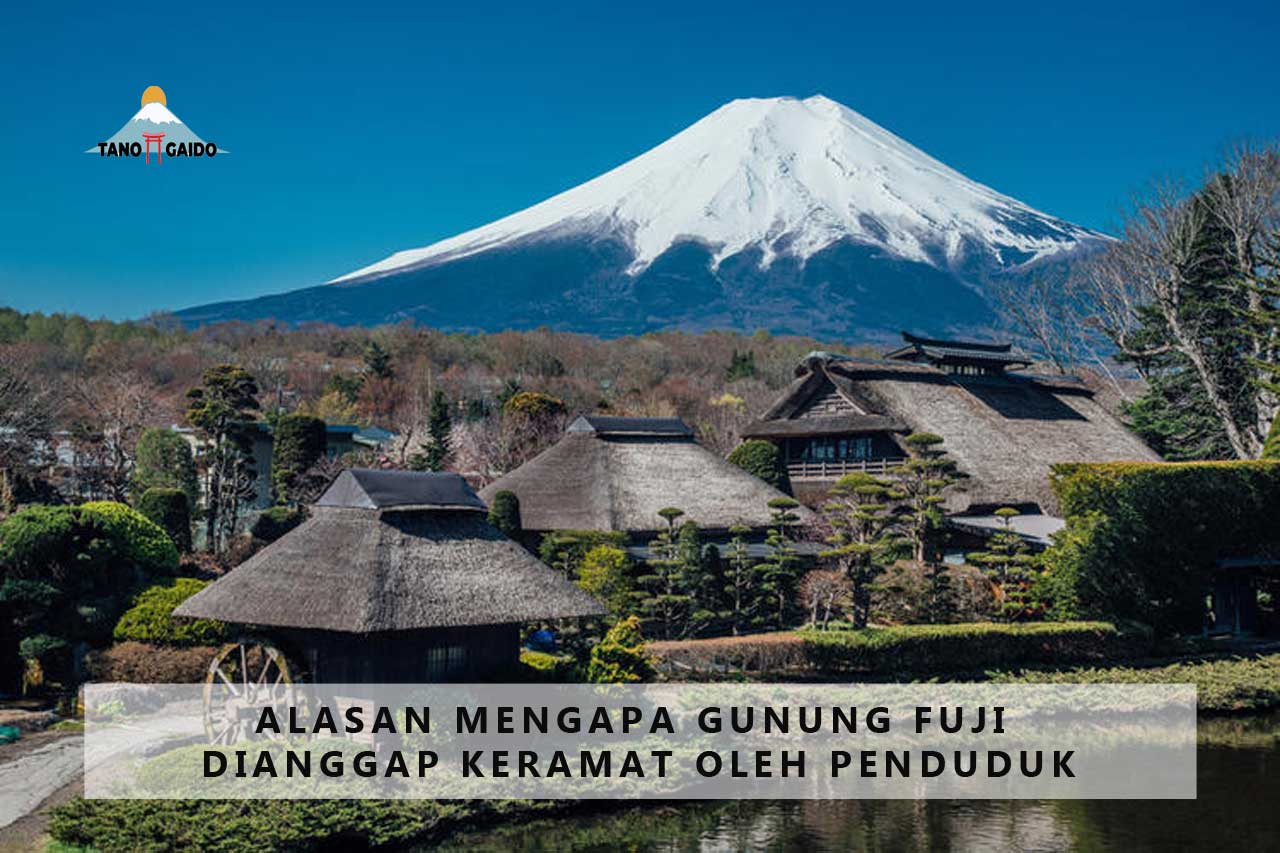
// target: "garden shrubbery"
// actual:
[[1142, 538], [276, 522], [150, 619], [169, 509], [143, 663], [968, 647]]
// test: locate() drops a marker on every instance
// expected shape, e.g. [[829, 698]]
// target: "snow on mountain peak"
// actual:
[[156, 113], [786, 176]]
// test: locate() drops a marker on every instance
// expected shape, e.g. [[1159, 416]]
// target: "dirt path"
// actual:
[[39, 770]]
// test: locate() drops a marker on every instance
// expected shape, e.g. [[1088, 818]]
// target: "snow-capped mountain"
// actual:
[[794, 215]]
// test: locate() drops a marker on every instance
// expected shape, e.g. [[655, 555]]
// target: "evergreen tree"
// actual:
[[377, 361], [298, 442], [761, 458], [435, 453], [920, 483], [605, 574], [1012, 568], [163, 460], [221, 410], [666, 599], [862, 542], [738, 579], [779, 573], [504, 513], [742, 365], [1271, 449]]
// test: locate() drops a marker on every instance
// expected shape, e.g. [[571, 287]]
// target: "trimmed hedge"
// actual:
[[970, 647], [150, 619], [1142, 538], [169, 509], [761, 458], [276, 522], [144, 542]]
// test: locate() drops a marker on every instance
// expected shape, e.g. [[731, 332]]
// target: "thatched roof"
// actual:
[[391, 551], [1004, 431], [619, 478], [940, 351]]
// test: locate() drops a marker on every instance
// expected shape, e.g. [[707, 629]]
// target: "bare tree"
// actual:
[[27, 414], [1152, 272], [118, 404]]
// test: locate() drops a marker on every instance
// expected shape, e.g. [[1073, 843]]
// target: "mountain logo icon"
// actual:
[[154, 128]]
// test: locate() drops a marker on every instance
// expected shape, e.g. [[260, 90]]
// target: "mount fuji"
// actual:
[[797, 216]]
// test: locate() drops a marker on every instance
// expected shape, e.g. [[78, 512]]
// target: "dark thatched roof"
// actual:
[[392, 566], [618, 480], [1004, 431], [935, 350], [612, 425]]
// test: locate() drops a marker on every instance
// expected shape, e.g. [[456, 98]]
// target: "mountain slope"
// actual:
[[792, 215]]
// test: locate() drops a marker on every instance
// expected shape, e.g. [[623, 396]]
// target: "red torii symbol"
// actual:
[[156, 138]]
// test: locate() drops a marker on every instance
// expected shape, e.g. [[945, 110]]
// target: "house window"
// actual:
[[446, 662], [835, 449]]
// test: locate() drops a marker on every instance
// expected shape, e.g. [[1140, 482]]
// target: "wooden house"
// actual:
[[1003, 427], [396, 577]]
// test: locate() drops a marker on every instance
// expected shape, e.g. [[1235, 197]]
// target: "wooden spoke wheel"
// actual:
[[243, 677]]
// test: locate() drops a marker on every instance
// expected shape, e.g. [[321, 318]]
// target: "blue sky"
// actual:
[[359, 130]]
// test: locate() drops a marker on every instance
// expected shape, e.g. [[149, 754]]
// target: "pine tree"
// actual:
[[666, 599], [377, 361], [862, 542], [738, 578], [920, 483], [1012, 568], [221, 410], [434, 453], [742, 365], [779, 573]]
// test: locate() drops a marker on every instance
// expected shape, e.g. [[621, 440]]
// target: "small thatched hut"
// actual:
[[1004, 428], [397, 576], [615, 473]]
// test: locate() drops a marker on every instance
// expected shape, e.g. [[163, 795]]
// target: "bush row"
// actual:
[[970, 647]]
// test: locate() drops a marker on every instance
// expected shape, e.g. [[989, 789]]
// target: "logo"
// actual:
[[155, 130]]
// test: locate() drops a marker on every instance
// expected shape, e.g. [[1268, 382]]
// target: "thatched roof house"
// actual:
[[1004, 428], [389, 552], [615, 473]]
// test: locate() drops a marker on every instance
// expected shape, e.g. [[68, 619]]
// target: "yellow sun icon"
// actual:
[[153, 95]]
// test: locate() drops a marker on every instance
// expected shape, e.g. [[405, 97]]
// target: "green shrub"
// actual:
[[971, 647], [1142, 539], [504, 513], [620, 657], [140, 540], [761, 458], [298, 442], [604, 574], [540, 667], [566, 549], [169, 509], [150, 619], [276, 522], [163, 460]]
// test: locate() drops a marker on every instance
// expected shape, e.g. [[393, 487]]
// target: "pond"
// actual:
[[1238, 780]]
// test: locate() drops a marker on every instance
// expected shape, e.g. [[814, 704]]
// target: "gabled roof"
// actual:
[[369, 488], [1003, 431], [613, 425], [397, 567], [619, 480]]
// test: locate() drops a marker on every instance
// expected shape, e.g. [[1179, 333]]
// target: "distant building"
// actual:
[[1003, 428], [340, 439]]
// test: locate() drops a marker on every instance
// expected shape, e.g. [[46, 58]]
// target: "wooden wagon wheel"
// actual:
[[242, 677]]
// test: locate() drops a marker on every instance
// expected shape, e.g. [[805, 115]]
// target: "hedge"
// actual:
[[969, 647], [150, 619], [761, 458], [169, 509], [1141, 539], [143, 542], [276, 522]]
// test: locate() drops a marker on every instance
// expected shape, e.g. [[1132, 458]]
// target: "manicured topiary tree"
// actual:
[[169, 509], [163, 460], [620, 658], [761, 458], [150, 619], [68, 572], [298, 442], [504, 513]]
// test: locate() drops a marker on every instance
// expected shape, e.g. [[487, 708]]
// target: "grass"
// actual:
[[1231, 685]]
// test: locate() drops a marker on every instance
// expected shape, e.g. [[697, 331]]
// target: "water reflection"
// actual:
[[1238, 806]]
